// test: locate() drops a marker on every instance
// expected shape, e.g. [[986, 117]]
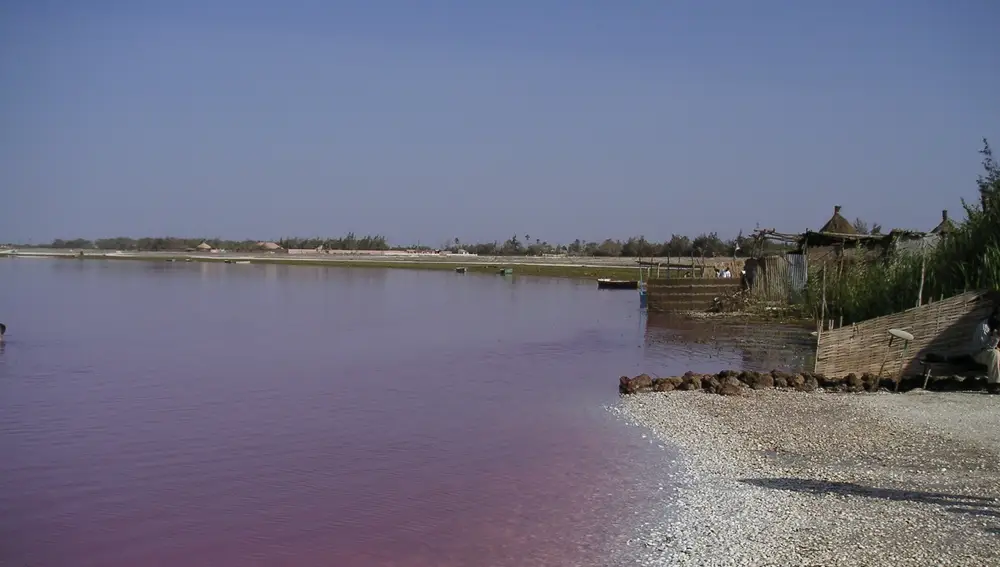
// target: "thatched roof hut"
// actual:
[[203, 246], [838, 223], [946, 226], [270, 246]]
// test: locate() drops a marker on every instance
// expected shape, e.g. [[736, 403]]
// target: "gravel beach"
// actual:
[[790, 478]]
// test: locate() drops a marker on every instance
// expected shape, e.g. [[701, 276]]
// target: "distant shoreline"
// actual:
[[566, 266]]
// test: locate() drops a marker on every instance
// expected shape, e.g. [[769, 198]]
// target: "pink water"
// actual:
[[226, 415]]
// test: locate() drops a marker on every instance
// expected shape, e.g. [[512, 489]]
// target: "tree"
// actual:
[[989, 184], [710, 245], [860, 226], [511, 247], [609, 248], [678, 245]]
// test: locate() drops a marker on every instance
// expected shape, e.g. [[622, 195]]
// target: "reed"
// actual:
[[966, 259]]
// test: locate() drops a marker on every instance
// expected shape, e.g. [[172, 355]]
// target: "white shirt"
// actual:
[[982, 339]]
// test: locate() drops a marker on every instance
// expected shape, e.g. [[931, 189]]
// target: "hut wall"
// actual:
[[776, 278], [916, 245], [819, 255], [944, 328]]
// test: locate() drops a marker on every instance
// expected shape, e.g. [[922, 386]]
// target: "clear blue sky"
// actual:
[[427, 120]]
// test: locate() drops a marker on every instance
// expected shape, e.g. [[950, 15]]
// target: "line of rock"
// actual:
[[737, 383]]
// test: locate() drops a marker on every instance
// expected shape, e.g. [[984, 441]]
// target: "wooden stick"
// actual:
[[822, 308], [923, 270]]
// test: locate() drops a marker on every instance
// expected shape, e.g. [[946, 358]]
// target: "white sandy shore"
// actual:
[[786, 478]]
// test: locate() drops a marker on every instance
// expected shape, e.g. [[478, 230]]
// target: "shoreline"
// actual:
[[792, 478], [527, 266], [564, 267]]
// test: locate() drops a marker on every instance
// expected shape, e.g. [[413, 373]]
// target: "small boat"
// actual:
[[460, 270], [608, 283], [506, 271], [241, 261]]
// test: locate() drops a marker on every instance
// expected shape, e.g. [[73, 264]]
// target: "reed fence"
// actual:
[[778, 277], [944, 327]]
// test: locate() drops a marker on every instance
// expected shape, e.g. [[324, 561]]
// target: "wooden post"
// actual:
[[840, 284], [923, 271], [822, 307]]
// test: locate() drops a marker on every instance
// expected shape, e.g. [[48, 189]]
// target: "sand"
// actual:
[[787, 478]]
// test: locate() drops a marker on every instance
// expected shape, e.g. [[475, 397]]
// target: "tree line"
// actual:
[[706, 244], [173, 244]]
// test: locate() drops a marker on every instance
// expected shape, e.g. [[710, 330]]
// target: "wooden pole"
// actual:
[[822, 307], [840, 285], [923, 271]]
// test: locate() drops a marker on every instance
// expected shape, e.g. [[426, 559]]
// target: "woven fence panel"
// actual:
[[945, 328], [777, 277]]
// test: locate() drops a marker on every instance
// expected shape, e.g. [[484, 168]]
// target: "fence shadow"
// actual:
[[820, 487], [977, 506]]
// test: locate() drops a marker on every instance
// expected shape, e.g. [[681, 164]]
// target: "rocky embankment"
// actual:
[[733, 383], [773, 477]]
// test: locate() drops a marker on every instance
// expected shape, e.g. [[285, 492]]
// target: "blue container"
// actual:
[[642, 299]]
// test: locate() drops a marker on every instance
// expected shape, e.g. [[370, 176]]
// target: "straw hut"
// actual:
[[945, 227], [271, 246], [838, 223], [203, 247], [831, 241]]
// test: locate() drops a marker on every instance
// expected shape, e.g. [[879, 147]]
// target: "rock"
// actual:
[[691, 382], [808, 384], [663, 385], [796, 381], [871, 382], [730, 383], [854, 383], [732, 389], [779, 375], [628, 385], [761, 381], [829, 382]]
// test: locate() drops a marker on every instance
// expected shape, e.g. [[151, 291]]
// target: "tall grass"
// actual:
[[966, 259]]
